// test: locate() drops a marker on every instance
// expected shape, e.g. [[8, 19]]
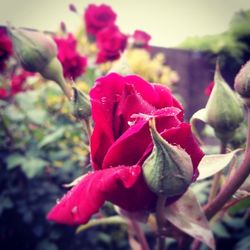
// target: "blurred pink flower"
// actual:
[[98, 17], [5, 48], [73, 63], [16, 84], [141, 39], [111, 43]]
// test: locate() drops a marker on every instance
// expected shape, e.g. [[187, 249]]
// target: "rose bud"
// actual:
[[169, 169], [37, 53], [242, 81], [82, 108], [72, 8], [224, 110], [33, 49]]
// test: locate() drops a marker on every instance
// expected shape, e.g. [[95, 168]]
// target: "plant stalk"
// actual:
[[140, 235], [160, 242], [217, 177], [234, 182]]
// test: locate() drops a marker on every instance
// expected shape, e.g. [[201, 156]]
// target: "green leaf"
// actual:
[[52, 137], [234, 222], [240, 206], [243, 244], [211, 164], [198, 117], [201, 190], [45, 244], [14, 160], [220, 230], [103, 221], [187, 215], [14, 114], [37, 116], [7, 203], [33, 166], [27, 100]]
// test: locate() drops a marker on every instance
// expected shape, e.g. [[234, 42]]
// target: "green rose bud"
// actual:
[[224, 110], [37, 53], [169, 169], [33, 49], [82, 108], [242, 82]]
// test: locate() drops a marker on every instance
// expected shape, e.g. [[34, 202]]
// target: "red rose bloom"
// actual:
[[98, 18], [5, 48], [120, 143], [73, 63], [111, 43], [141, 39]]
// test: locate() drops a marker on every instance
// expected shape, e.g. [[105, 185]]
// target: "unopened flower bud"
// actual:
[[37, 53], [169, 169], [63, 27], [33, 49], [224, 110], [72, 8], [82, 108], [242, 81]]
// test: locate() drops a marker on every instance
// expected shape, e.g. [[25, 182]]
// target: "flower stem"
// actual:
[[140, 235], [217, 177], [160, 243], [234, 182], [88, 129]]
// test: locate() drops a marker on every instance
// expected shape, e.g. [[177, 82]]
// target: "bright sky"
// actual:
[[168, 21]]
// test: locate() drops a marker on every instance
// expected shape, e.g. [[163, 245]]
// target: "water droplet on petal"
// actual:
[[74, 210], [58, 201], [103, 100], [131, 123]]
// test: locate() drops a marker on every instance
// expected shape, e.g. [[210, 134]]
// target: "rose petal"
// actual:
[[157, 95], [104, 103], [106, 98], [131, 102], [124, 186], [130, 147]]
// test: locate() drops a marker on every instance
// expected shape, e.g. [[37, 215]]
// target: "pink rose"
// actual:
[[141, 39], [73, 63], [111, 43], [98, 18], [5, 48], [120, 143], [16, 84]]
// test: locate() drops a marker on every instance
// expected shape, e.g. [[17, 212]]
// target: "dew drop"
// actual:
[[58, 201], [74, 210], [131, 123], [103, 100]]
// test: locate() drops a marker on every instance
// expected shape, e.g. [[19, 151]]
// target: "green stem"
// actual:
[[234, 182], [88, 129], [217, 177], [140, 235], [160, 243]]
